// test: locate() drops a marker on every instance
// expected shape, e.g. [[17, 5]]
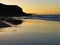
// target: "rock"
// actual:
[[4, 25], [14, 21], [10, 10]]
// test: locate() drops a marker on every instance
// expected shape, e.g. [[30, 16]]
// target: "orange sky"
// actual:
[[37, 6]]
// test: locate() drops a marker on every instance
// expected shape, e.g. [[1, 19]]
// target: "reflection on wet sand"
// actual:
[[31, 32], [35, 25]]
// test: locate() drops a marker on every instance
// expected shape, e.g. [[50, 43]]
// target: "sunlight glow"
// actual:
[[36, 6]]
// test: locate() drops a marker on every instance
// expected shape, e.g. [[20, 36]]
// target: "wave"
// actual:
[[43, 17]]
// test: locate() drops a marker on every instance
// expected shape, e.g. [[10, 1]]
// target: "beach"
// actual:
[[31, 32]]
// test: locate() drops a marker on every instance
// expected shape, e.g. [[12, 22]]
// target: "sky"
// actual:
[[36, 6]]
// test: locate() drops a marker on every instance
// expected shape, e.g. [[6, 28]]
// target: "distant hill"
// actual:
[[11, 10]]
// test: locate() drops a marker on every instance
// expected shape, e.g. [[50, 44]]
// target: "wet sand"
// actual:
[[31, 32]]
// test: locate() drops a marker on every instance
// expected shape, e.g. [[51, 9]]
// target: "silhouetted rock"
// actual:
[[14, 21], [10, 10], [26, 14], [4, 25]]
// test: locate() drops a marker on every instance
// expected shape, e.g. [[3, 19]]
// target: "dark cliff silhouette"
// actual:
[[10, 11]]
